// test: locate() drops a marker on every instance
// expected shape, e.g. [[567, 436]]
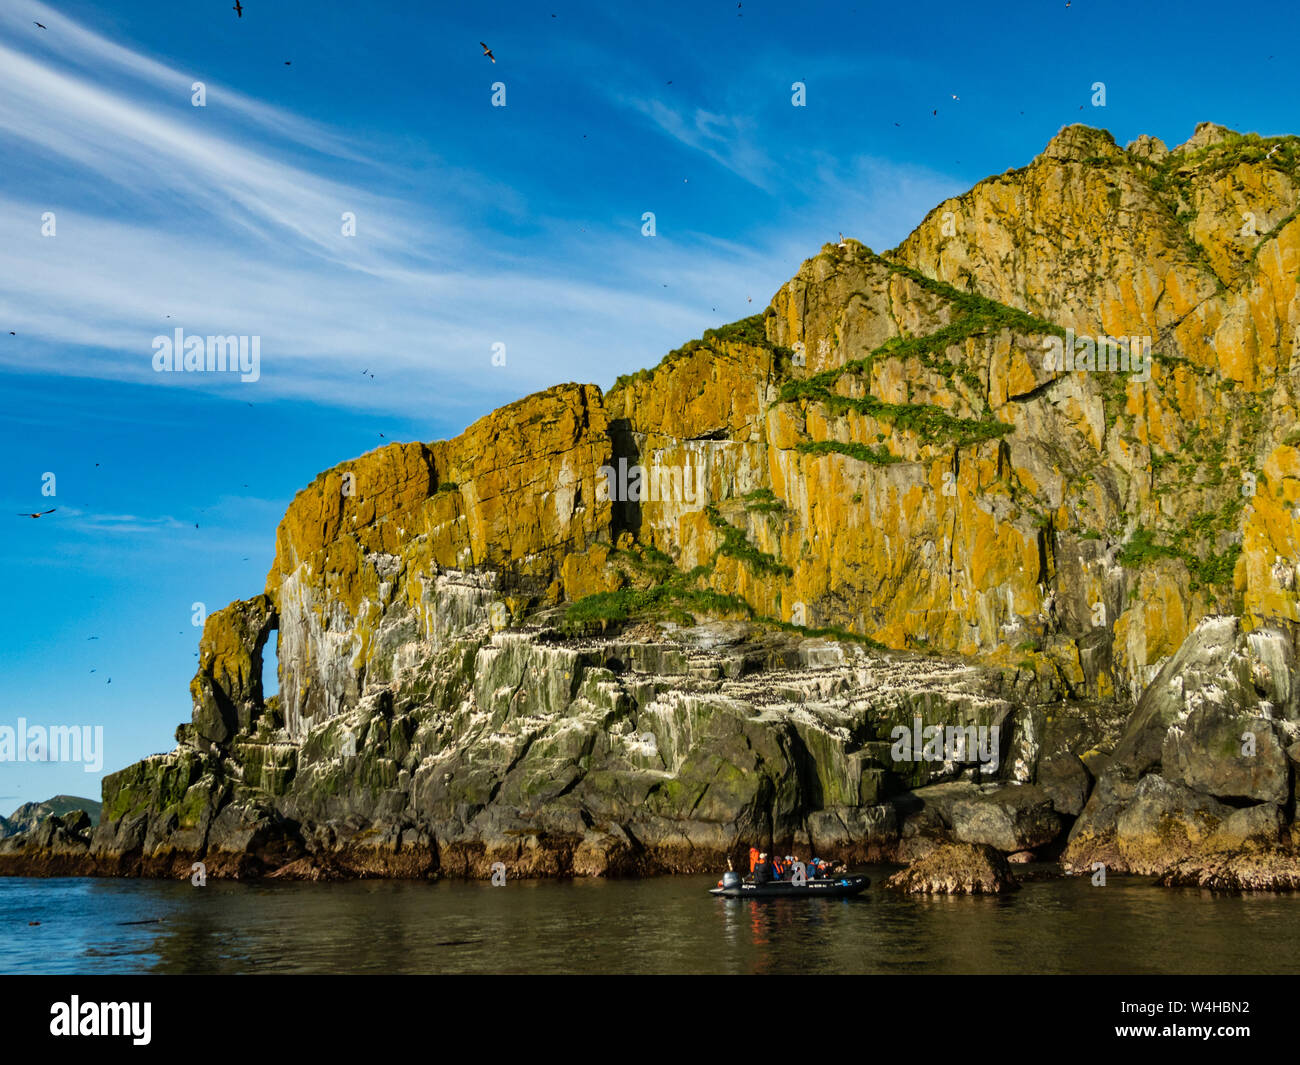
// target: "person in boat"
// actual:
[[817, 869], [763, 870], [753, 858], [778, 868]]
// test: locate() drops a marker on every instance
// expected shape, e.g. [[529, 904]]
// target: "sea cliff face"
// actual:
[[912, 493]]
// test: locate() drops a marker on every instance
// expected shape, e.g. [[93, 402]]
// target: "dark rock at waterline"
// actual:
[[1010, 817], [956, 869], [1015, 817], [55, 847]]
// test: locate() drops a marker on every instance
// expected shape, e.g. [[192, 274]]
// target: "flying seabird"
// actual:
[[41, 514], [488, 52], [238, 9]]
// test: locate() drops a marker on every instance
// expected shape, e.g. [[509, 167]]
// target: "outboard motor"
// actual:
[[730, 879]]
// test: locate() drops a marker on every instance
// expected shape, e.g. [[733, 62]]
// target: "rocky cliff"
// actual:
[[1031, 477]]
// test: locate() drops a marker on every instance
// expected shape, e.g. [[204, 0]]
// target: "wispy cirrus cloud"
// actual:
[[729, 140], [228, 220], [217, 229]]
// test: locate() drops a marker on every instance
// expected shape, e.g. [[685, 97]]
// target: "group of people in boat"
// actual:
[[765, 868]]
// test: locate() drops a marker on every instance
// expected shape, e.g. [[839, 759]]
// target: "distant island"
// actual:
[[30, 814]]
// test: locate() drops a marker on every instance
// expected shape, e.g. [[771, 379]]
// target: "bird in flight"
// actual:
[[287, 63], [488, 52], [41, 514], [38, 24], [238, 9]]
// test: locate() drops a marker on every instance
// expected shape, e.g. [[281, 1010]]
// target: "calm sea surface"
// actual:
[[666, 925]]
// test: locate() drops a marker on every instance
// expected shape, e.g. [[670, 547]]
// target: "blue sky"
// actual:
[[475, 225]]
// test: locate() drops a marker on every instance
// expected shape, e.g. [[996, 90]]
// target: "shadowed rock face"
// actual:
[[884, 454]]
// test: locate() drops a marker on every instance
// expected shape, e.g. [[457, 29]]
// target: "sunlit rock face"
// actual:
[[943, 452]]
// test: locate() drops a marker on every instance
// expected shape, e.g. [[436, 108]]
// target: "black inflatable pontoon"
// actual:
[[829, 888]]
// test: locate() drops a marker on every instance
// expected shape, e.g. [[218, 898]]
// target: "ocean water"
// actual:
[[663, 925]]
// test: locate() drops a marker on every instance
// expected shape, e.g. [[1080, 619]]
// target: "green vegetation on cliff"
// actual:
[[877, 456], [1214, 569], [751, 331], [975, 315]]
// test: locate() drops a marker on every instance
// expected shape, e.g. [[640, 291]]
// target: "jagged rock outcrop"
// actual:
[[56, 846], [475, 636]]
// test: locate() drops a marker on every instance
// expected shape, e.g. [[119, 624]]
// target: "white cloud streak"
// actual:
[[209, 219]]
